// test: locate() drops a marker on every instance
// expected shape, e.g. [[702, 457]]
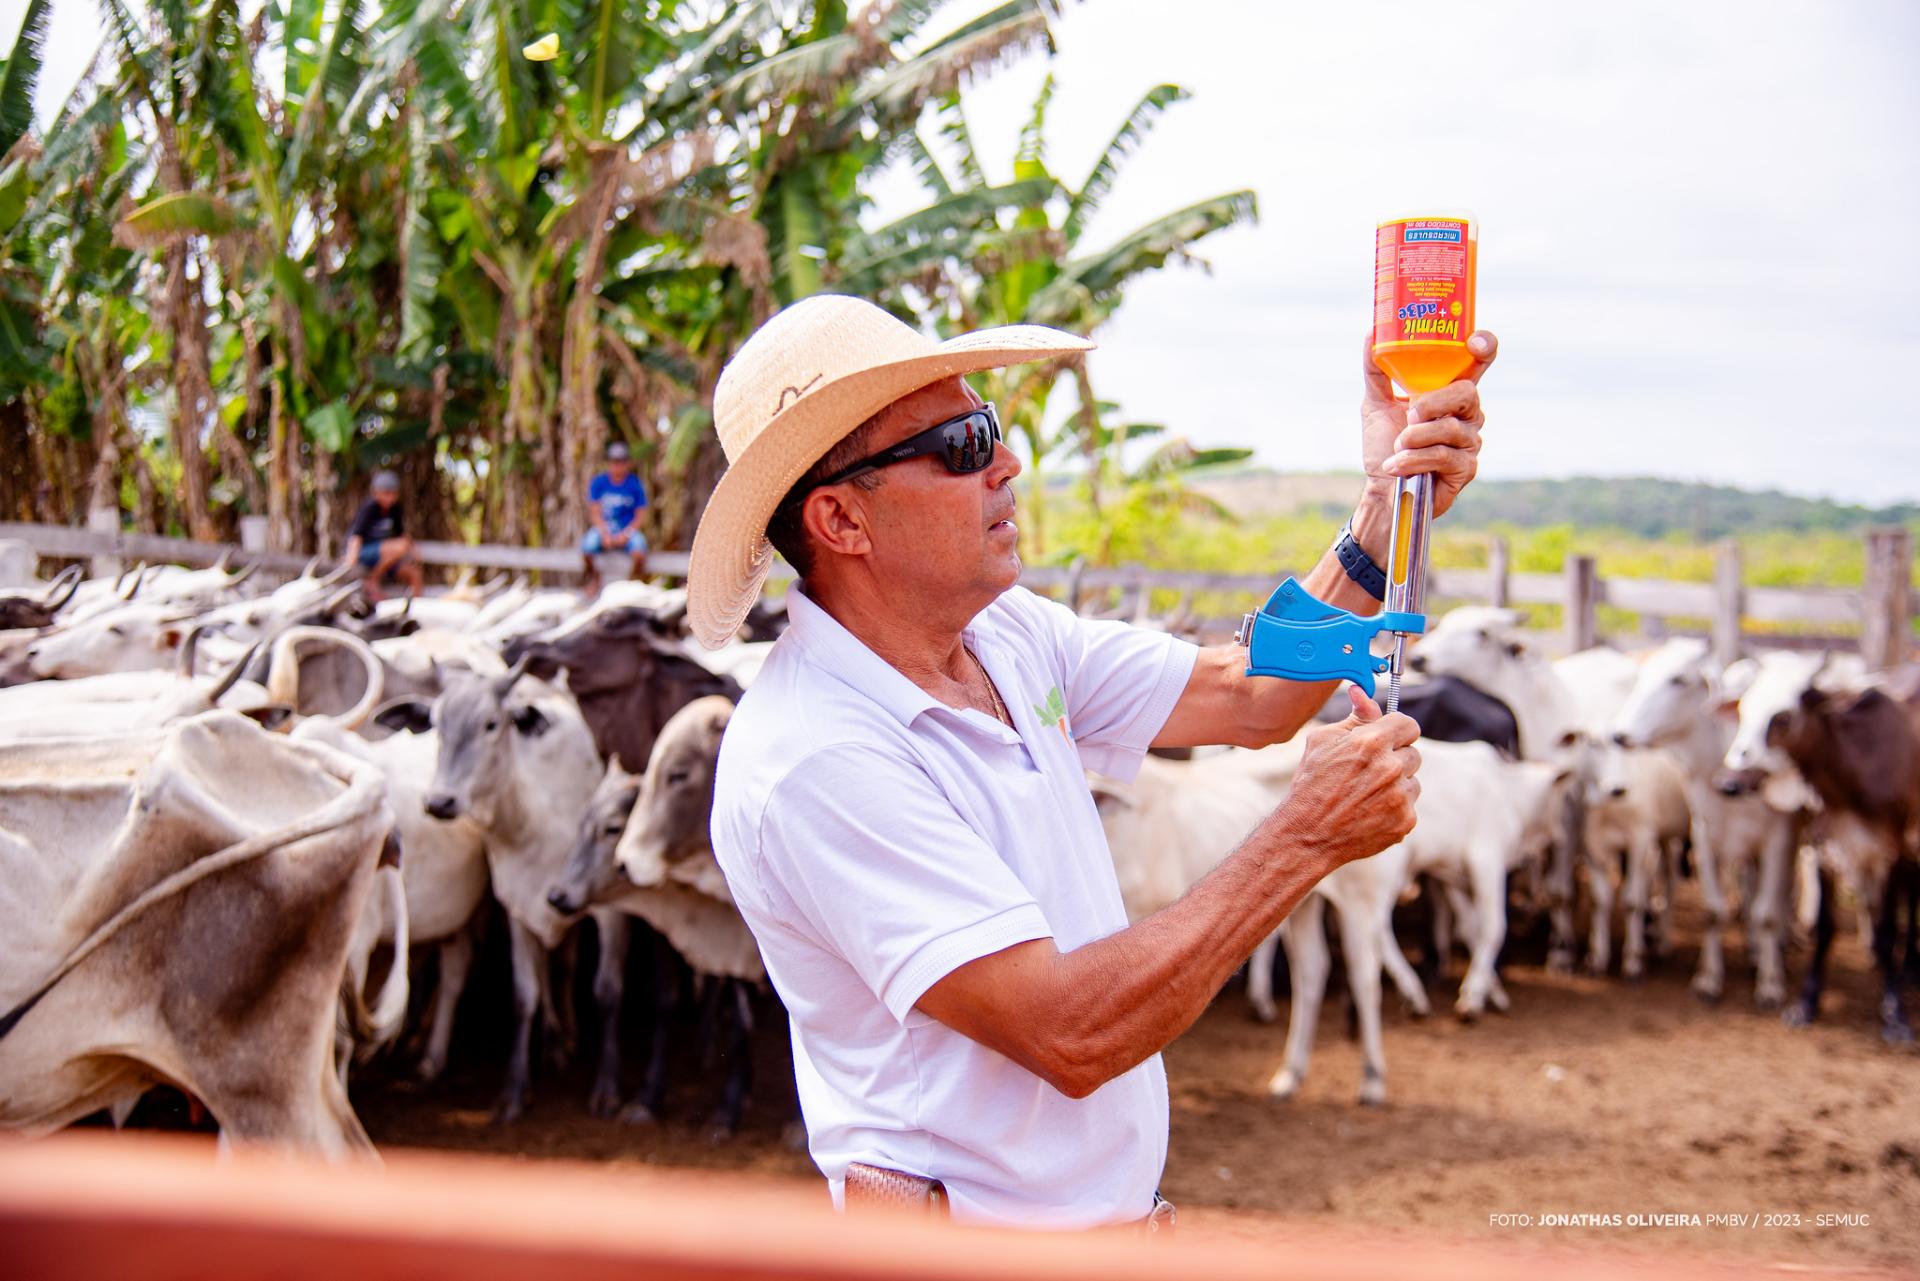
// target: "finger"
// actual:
[[1378, 386], [1398, 729], [1458, 399], [1440, 460], [1484, 347], [1365, 710], [1459, 433], [1409, 758]]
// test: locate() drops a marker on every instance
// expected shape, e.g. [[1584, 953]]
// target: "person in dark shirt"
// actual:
[[377, 539], [614, 499]]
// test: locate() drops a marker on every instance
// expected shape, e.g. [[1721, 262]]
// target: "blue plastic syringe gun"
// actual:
[[1299, 637]]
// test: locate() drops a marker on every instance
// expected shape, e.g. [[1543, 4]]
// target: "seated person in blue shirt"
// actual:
[[378, 541], [615, 498]]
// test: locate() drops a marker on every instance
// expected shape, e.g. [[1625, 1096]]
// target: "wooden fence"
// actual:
[[1877, 617]]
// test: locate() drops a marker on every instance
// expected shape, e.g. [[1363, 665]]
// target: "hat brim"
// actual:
[[731, 554]]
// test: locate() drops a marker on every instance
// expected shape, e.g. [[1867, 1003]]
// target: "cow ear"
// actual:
[[1515, 649], [405, 715], [1108, 801], [531, 721], [270, 716], [541, 663]]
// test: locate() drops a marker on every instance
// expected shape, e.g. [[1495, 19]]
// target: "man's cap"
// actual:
[[385, 482], [805, 379], [617, 451]]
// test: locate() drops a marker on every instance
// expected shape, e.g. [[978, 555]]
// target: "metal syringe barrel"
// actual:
[[1407, 566]]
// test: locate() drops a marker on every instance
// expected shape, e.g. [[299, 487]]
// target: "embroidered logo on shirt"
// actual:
[[1053, 713]]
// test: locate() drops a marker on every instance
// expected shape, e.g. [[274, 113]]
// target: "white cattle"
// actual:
[[1636, 810], [1680, 703], [518, 760], [176, 909], [123, 702], [443, 879], [133, 637]]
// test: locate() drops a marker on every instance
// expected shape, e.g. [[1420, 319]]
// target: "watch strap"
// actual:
[[1358, 565]]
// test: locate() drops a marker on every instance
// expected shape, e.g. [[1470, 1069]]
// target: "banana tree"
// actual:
[[1036, 269]]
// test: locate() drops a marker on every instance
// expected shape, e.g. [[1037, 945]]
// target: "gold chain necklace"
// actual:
[[999, 708]]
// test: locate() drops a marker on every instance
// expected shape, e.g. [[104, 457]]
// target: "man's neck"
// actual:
[[922, 645]]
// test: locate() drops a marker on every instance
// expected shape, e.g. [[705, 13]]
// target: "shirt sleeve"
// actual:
[[597, 487], [639, 492], [361, 519], [1120, 682], [883, 869]]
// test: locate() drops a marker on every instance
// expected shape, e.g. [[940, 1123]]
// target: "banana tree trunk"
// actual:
[[192, 397], [282, 466]]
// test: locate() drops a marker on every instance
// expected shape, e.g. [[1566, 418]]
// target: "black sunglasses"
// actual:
[[964, 443]]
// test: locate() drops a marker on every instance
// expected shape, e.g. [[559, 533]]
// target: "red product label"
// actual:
[[1422, 282]]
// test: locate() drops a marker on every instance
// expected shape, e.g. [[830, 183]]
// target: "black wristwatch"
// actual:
[[1359, 566]]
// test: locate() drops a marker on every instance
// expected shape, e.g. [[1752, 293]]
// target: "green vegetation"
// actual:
[[265, 249]]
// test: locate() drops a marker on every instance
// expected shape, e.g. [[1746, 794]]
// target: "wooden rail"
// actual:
[[1879, 614], [89, 1207]]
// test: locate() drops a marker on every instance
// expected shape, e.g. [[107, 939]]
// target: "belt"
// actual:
[[872, 1185]]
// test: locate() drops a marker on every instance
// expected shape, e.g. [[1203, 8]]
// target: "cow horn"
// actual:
[[230, 677], [494, 586], [505, 683], [242, 574], [132, 588], [310, 567], [338, 599], [341, 571], [71, 576], [283, 672], [226, 559], [406, 606], [189, 650]]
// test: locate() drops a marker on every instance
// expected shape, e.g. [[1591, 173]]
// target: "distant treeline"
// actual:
[[1657, 508]]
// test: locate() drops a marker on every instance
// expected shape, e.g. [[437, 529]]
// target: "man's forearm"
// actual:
[[1117, 1001]]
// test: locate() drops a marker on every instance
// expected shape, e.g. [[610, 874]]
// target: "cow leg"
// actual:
[[1260, 979], [1305, 937], [1767, 915], [1562, 856], [1710, 979], [529, 999], [1404, 976], [1807, 1008], [609, 989], [1442, 910], [1490, 931], [1672, 854], [561, 1026], [1894, 1028], [1600, 929], [1642, 857], [456, 962], [733, 1096], [645, 1109], [1360, 940]]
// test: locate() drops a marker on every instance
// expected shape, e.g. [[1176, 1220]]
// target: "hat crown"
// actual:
[[804, 347]]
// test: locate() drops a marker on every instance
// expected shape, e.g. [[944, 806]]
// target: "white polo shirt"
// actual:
[[876, 840]]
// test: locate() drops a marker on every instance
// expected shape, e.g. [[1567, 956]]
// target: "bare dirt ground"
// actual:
[[1592, 1097]]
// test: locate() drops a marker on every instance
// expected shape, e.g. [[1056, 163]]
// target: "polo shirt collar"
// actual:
[[824, 641]]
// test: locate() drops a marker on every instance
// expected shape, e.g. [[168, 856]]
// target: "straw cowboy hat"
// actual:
[[807, 378]]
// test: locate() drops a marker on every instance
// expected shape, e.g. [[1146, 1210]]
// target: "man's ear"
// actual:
[[837, 520]]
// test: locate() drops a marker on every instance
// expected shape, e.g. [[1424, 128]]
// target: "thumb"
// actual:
[[1365, 710]]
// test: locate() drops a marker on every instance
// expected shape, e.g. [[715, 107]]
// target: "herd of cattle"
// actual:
[[234, 819]]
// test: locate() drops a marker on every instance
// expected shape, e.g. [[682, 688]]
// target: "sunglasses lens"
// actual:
[[970, 443]]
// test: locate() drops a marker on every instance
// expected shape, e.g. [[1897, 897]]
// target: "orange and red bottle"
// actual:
[[1423, 299]]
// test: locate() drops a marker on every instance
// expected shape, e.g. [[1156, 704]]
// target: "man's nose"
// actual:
[[1005, 465]]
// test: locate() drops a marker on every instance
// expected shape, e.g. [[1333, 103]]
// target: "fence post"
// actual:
[[1729, 600], [1497, 562], [105, 520], [1886, 599], [1074, 570], [1583, 591]]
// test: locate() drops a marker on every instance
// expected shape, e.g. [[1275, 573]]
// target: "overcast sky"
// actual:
[[1696, 219]]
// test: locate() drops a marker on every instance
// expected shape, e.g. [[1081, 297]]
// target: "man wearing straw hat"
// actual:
[[900, 804]]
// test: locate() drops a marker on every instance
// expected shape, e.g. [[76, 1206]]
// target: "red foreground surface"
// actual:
[[87, 1206]]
